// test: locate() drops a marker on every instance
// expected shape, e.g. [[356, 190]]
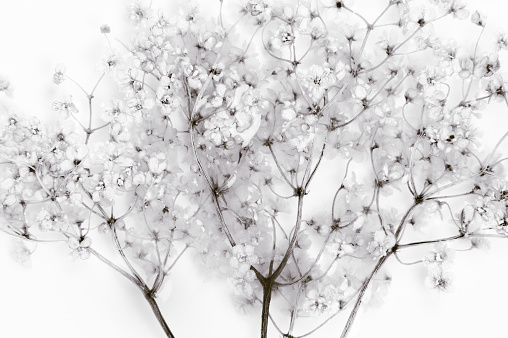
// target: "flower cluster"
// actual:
[[216, 144]]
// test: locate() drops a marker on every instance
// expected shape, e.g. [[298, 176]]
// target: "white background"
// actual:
[[59, 298]]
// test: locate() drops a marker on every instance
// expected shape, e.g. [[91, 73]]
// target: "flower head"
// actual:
[[478, 19], [439, 280], [59, 75], [5, 86], [105, 29], [21, 253], [65, 106], [80, 247], [381, 243]]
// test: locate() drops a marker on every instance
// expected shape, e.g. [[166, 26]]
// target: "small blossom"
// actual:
[[65, 106], [321, 300], [243, 257], [282, 37], [439, 280], [115, 112], [51, 221], [157, 163], [488, 66], [502, 42], [80, 247], [464, 67], [256, 7], [105, 29], [381, 244], [21, 253], [243, 283], [480, 243], [440, 256], [5, 86], [74, 156], [340, 246], [360, 91], [139, 13], [496, 87], [110, 62], [458, 10], [59, 75], [478, 19], [317, 80]]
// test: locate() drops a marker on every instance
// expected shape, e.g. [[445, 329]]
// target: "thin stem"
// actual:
[[451, 196], [221, 21], [268, 282], [474, 62], [353, 119], [267, 297], [399, 231], [316, 260], [464, 103], [120, 250], [496, 147], [97, 83], [338, 190], [99, 128], [78, 121], [316, 167], [393, 51], [158, 314], [358, 302], [498, 162], [294, 312], [381, 89], [320, 325], [115, 267], [147, 293], [18, 234], [91, 210], [358, 15], [406, 263], [177, 258], [275, 325], [274, 218], [291, 246], [213, 191], [408, 245], [306, 52], [277, 194], [88, 131], [337, 94], [234, 25], [203, 89], [250, 41], [279, 167], [486, 235], [223, 222], [77, 84], [266, 47], [274, 246]]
